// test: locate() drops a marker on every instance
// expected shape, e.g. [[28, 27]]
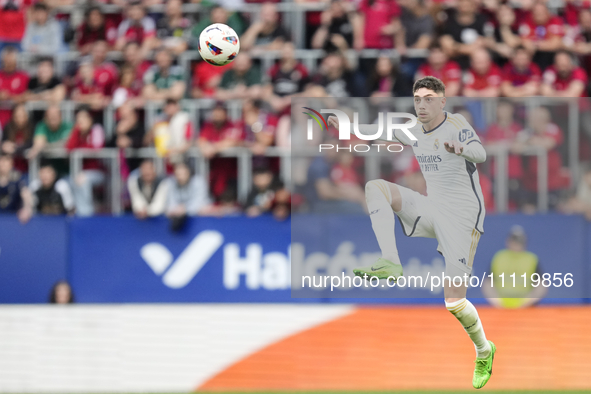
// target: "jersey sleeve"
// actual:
[[472, 146]]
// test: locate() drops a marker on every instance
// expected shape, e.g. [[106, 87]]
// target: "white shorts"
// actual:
[[457, 241]]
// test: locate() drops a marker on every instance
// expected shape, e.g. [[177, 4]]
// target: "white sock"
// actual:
[[379, 204], [466, 313]]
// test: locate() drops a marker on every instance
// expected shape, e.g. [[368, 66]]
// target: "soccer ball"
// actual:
[[218, 44]]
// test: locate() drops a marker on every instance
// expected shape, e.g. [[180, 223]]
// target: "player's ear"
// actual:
[[443, 101]]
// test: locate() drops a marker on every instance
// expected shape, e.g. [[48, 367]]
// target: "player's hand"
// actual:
[[453, 147], [333, 121]]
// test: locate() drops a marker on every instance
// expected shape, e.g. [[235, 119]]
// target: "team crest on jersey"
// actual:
[[436, 145]]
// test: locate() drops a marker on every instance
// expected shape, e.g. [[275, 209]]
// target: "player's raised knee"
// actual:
[[378, 189]]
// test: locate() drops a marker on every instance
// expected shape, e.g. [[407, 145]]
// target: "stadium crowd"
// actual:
[[487, 48]]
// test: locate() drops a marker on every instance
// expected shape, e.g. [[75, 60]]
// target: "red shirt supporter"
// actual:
[[450, 72], [137, 32], [499, 134], [13, 19], [206, 79], [378, 13], [478, 81], [105, 76], [85, 135], [12, 81], [215, 137], [518, 77], [562, 81], [556, 180], [530, 30], [572, 9]]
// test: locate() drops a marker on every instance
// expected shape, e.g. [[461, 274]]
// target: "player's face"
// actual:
[[428, 104]]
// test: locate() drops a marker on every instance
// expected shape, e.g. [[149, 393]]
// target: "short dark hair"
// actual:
[[431, 83], [40, 7], [45, 59]]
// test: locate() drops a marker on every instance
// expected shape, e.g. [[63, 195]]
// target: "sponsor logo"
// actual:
[[269, 271]]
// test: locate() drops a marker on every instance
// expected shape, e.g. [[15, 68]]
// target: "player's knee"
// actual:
[[377, 189]]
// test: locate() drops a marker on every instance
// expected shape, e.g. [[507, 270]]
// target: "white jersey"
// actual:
[[453, 185]]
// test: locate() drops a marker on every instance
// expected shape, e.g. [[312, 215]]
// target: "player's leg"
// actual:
[[459, 255], [382, 199]]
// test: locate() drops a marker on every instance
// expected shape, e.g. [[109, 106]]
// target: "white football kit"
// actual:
[[453, 212]]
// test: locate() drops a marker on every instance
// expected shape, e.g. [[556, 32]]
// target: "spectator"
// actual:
[[46, 86], [13, 82], [438, 65], [542, 134], [323, 196], [281, 205], [129, 132], [148, 192], [506, 35], [339, 29], [96, 78], [137, 27], [18, 133], [164, 81], [218, 135], [286, 78], [50, 133], [464, 32], [15, 197], [564, 79], [94, 28], [172, 29], [418, 24], [483, 79], [267, 34], [514, 261], [87, 90], [335, 77], [43, 34], [129, 89], [86, 135], [217, 14], [542, 34], [581, 203], [344, 175], [12, 22], [580, 42], [259, 129], [502, 134], [173, 135], [133, 59], [52, 196], [380, 25], [242, 81], [187, 195], [206, 79], [61, 293], [386, 80], [260, 198], [521, 77]]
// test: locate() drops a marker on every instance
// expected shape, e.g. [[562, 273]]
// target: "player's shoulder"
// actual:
[[457, 121]]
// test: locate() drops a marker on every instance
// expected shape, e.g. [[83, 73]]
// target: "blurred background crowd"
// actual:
[[187, 138]]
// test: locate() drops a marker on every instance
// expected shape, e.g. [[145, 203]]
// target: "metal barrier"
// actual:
[[115, 187]]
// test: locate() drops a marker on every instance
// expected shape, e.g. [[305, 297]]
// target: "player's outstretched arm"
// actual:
[[473, 151]]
